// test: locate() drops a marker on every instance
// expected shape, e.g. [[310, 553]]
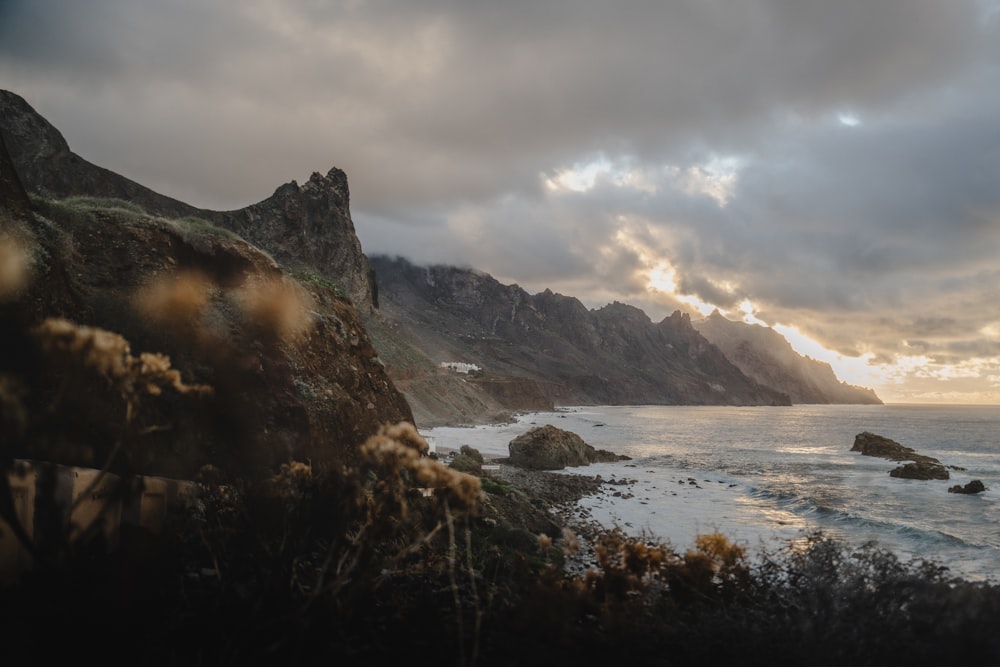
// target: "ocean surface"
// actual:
[[763, 476]]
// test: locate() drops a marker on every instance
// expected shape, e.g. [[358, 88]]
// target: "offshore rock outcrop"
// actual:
[[970, 489], [871, 444], [920, 470], [920, 466]]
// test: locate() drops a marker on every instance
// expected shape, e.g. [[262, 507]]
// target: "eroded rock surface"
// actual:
[[550, 448], [972, 488]]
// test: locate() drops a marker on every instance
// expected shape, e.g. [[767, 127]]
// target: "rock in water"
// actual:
[[870, 444], [973, 487], [551, 448], [920, 470]]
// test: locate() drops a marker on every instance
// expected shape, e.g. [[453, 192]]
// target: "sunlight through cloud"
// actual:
[[849, 119], [663, 278], [715, 178], [853, 370]]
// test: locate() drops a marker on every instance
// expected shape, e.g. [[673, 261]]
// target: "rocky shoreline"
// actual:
[[545, 504]]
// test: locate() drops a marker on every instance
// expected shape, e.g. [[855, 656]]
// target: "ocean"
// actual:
[[765, 476]]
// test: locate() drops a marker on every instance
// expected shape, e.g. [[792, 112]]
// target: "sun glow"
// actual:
[[580, 177], [849, 119], [750, 313], [663, 278], [714, 178], [853, 370]]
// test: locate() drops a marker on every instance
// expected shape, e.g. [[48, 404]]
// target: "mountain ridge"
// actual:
[[572, 355], [569, 354], [766, 355]]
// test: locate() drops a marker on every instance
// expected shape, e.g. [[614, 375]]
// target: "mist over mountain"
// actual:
[[765, 355]]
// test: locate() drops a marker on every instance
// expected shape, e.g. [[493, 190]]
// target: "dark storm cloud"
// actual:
[[476, 95], [860, 139]]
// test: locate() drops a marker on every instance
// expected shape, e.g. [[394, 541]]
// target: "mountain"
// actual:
[[531, 351], [765, 355], [307, 228], [142, 286]]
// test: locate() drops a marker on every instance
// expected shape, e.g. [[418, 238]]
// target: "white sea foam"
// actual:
[[763, 476]]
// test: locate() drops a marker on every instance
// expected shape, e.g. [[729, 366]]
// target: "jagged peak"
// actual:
[[333, 182], [678, 316], [291, 187], [619, 309]]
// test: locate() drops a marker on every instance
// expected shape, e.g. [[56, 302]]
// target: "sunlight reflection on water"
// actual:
[[787, 470]]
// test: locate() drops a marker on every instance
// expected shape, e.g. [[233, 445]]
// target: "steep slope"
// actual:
[[291, 370], [765, 355], [308, 228], [553, 346]]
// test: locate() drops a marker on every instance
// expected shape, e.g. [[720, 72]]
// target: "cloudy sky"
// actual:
[[831, 169]]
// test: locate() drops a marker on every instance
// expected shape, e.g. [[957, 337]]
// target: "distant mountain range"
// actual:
[[506, 349], [457, 344]]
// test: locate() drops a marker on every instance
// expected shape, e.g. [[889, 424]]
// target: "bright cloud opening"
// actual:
[[581, 177], [849, 119], [663, 278], [991, 330], [750, 313], [853, 370], [715, 178]]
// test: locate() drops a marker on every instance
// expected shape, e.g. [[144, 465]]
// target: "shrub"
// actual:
[[192, 227]]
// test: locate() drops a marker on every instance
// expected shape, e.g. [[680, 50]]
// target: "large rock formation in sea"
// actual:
[[533, 351], [920, 466], [872, 444], [126, 271], [550, 448], [765, 355]]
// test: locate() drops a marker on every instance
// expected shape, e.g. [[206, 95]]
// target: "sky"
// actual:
[[830, 169]]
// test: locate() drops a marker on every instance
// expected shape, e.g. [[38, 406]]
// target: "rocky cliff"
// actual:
[[567, 354], [765, 355], [307, 228], [125, 300]]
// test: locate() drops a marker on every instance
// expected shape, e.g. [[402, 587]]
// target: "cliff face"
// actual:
[[306, 228], [571, 355], [763, 354], [309, 227], [292, 371]]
